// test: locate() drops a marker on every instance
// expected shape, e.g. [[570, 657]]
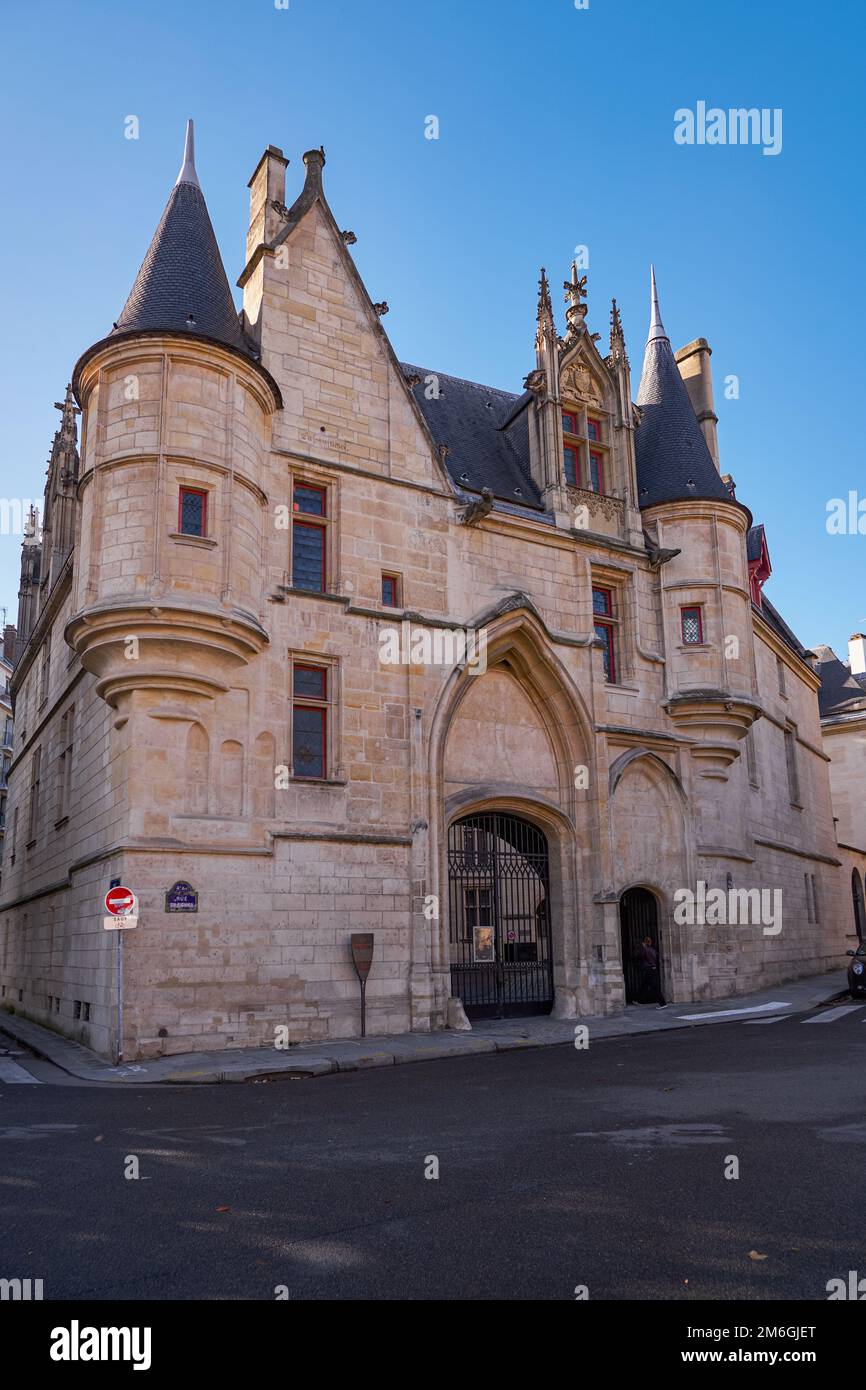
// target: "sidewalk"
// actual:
[[501, 1035]]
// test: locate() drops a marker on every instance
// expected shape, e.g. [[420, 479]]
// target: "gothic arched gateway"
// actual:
[[499, 915]]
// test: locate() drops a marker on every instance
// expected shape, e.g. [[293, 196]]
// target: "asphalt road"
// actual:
[[557, 1168]]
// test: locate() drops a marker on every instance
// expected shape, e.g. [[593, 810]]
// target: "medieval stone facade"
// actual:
[[268, 516]]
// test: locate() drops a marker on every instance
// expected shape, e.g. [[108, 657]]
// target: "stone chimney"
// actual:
[[693, 361], [857, 653], [9, 635]]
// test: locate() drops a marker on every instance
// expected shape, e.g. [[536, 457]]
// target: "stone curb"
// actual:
[[74, 1059]]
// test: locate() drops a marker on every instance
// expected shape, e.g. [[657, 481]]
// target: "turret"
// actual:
[[705, 594], [177, 411]]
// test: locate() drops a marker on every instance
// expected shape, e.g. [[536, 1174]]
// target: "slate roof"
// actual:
[[182, 274], [755, 542], [472, 419], [673, 460], [840, 693], [780, 627]]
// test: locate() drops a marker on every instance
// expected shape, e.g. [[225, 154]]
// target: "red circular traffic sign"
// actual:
[[119, 901]]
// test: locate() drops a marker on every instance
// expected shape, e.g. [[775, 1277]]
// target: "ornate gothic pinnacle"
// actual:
[[575, 293], [617, 337]]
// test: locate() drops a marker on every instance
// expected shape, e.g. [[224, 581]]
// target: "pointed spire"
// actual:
[[657, 328], [182, 285], [187, 169], [673, 459]]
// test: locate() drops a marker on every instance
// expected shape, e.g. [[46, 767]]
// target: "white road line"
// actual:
[[832, 1014], [735, 1013], [754, 1022], [15, 1075]]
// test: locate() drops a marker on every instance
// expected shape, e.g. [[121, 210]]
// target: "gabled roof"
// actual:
[[471, 420], [840, 693], [756, 543], [673, 460], [182, 286]]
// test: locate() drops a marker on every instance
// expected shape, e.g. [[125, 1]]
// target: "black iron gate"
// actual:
[[638, 917], [499, 913]]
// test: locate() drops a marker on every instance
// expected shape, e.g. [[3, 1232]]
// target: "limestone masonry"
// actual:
[[266, 516]]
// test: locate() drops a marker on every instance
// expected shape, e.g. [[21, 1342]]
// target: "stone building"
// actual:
[[7, 662], [842, 700], [318, 643]]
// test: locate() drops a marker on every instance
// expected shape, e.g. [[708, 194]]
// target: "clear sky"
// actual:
[[556, 130]]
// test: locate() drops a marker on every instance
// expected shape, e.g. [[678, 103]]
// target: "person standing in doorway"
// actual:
[[650, 976]]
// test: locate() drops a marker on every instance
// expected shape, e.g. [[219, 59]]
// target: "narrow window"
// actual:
[[309, 537], [571, 448], [791, 763], [780, 672], [810, 916], [692, 626], [192, 512], [33, 810], [570, 465], [76, 1008], [64, 781], [593, 430], [86, 1012], [602, 607], [391, 590], [815, 904], [45, 675], [14, 834], [309, 721], [596, 471], [751, 758]]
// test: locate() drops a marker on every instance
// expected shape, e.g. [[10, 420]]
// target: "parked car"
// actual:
[[857, 971]]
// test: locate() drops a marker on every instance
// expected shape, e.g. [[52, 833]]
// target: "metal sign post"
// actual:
[[362, 958], [122, 905]]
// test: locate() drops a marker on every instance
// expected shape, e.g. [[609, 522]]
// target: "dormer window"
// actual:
[[584, 450]]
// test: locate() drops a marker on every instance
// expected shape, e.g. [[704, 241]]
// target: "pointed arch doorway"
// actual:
[[638, 918], [499, 916]]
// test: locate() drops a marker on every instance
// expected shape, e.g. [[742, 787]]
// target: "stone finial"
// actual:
[[575, 293]]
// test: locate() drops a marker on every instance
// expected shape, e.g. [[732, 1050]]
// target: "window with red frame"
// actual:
[[310, 721], [391, 590], [605, 630], [309, 538], [692, 626], [571, 448], [593, 430], [192, 512]]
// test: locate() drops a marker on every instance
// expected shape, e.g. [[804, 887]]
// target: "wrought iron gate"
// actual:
[[499, 914], [638, 916]]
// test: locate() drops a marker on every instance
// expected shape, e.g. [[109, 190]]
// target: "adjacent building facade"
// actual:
[[319, 643]]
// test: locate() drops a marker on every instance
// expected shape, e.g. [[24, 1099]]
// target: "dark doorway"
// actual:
[[638, 917], [859, 908], [499, 916]]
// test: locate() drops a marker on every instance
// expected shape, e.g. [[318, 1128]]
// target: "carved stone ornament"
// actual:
[[610, 507], [536, 382], [577, 380]]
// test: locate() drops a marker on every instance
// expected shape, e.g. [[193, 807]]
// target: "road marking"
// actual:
[[754, 1022], [832, 1014], [15, 1075], [735, 1013]]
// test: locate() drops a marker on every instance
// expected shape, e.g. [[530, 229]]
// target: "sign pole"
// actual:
[[119, 997], [362, 958]]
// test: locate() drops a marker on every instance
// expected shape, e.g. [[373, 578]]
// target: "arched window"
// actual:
[[859, 908]]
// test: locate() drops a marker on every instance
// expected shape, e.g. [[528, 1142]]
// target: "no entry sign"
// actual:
[[120, 902]]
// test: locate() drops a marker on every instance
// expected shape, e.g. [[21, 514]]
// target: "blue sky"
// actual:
[[556, 130]]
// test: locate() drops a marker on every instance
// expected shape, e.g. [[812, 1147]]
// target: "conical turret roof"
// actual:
[[673, 460], [182, 286]]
